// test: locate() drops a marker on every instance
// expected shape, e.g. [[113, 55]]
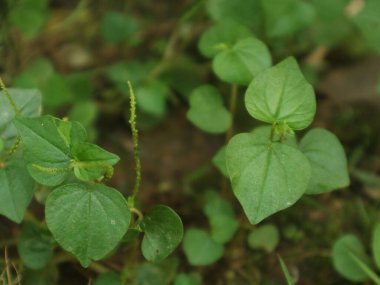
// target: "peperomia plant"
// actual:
[[84, 216]]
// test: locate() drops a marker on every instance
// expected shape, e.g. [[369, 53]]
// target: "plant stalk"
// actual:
[[136, 148], [232, 109]]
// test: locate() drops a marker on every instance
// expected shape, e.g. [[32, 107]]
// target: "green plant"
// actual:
[[260, 59], [269, 170], [351, 260], [83, 215]]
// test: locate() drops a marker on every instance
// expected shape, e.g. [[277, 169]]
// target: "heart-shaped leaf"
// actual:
[[163, 232], [207, 111], [87, 220], [281, 95], [221, 36], [264, 237], [266, 176], [327, 174], [151, 98], [346, 249], [242, 62], [16, 190], [200, 248], [221, 217]]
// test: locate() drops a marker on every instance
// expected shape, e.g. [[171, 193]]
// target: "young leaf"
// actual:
[[108, 278], [376, 244], [16, 190], [264, 237], [221, 36], [281, 95], [286, 17], [87, 220], [343, 248], [163, 232], [46, 148], [200, 248], [221, 217], [242, 62], [266, 176], [53, 148], [207, 111], [28, 101], [91, 161], [35, 246], [289, 279], [328, 161]]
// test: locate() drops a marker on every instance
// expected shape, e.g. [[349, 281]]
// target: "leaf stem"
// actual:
[[230, 132], [135, 138], [9, 97], [138, 213], [232, 109]]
